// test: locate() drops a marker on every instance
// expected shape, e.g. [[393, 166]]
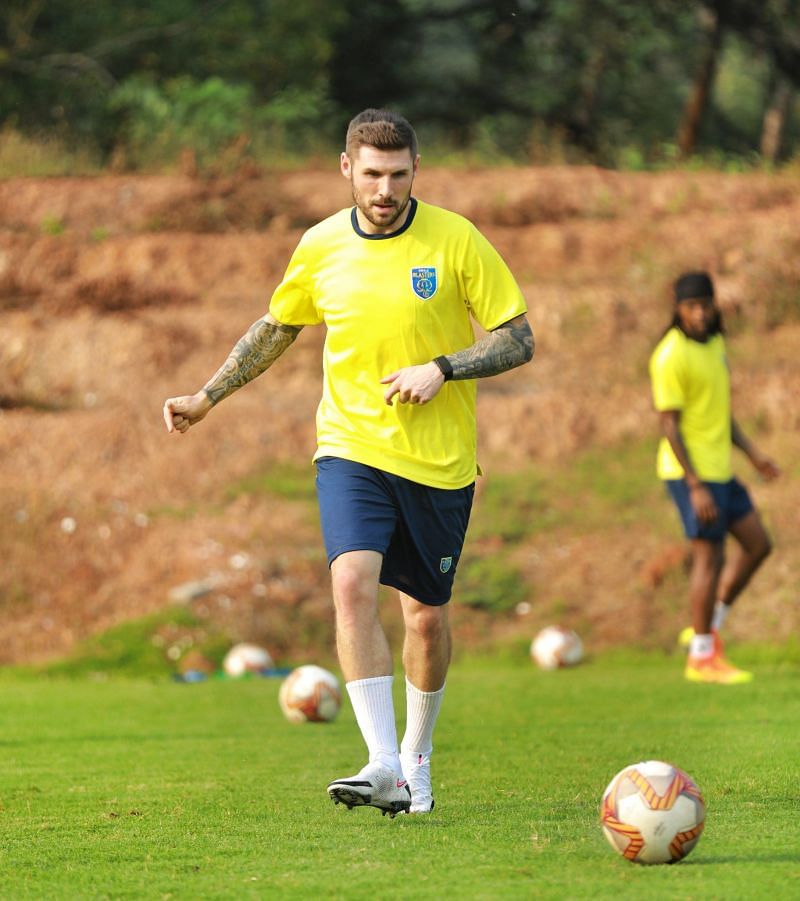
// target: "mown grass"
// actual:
[[151, 789]]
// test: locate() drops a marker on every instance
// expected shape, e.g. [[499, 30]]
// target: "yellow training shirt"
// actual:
[[692, 377], [390, 301]]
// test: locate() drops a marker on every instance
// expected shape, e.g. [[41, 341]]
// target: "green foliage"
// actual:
[[53, 225], [511, 506], [490, 582], [148, 647], [134, 789], [161, 121], [567, 81], [292, 481], [211, 119], [602, 485]]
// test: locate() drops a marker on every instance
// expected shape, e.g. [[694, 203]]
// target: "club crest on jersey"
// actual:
[[423, 281], [445, 563]]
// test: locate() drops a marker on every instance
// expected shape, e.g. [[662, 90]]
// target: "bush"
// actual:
[[217, 121]]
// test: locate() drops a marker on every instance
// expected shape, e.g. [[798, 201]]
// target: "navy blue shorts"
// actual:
[[419, 530], [732, 500]]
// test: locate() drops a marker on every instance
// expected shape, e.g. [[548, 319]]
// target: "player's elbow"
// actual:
[[530, 347], [526, 343]]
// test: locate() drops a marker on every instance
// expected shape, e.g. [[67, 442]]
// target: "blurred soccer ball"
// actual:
[[310, 694], [652, 812], [556, 646], [246, 658]]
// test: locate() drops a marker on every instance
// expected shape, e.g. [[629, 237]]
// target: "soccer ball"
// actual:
[[556, 646], [310, 694], [652, 812], [246, 658]]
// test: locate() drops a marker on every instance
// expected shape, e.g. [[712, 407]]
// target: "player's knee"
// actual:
[[429, 624], [764, 550], [352, 593]]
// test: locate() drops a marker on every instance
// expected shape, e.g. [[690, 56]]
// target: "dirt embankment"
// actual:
[[118, 291]]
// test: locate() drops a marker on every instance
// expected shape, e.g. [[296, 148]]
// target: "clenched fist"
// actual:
[[182, 412]]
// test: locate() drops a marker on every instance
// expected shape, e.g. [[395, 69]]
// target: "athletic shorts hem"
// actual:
[[407, 589], [357, 546]]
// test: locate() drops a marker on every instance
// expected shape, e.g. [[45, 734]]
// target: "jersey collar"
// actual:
[[412, 211]]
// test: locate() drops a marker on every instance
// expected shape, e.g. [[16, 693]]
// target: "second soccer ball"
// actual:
[[556, 646]]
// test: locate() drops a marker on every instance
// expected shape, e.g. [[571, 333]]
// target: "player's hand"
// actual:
[[182, 412], [703, 503], [413, 384], [769, 469]]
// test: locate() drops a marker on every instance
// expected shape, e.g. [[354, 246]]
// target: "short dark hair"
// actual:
[[382, 129]]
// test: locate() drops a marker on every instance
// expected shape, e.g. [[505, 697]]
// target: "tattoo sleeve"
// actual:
[[505, 348], [253, 354]]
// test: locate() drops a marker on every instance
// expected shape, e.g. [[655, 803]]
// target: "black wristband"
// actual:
[[444, 366]]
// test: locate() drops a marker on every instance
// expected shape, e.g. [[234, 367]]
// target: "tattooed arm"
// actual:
[[506, 347], [254, 353]]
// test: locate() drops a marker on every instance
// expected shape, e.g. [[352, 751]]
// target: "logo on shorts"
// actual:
[[423, 281], [444, 564]]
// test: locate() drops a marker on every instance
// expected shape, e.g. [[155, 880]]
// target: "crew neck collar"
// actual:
[[412, 211]]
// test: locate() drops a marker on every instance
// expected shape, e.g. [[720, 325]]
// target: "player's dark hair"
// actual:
[[382, 129]]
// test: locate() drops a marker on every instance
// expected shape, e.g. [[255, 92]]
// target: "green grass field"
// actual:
[[134, 788]]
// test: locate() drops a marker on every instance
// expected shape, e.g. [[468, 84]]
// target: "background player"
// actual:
[[691, 391]]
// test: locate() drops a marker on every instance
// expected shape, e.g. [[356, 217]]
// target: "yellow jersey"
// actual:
[[390, 301], [693, 377]]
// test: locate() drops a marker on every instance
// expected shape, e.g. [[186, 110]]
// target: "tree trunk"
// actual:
[[701, 89], [776, 118]]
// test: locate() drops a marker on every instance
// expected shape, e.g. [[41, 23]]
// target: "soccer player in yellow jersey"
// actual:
[[397, 283], [691, 391]]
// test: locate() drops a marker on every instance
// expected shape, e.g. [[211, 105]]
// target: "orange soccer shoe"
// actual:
[[715, 669]]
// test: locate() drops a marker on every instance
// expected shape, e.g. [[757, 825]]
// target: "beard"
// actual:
[[383, 219]]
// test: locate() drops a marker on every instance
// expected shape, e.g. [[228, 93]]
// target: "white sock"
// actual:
[[721, 612], [701, 646], [374, 709], [422, 712]]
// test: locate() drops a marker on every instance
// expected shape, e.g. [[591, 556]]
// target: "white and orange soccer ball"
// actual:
[[556, 646], [246, 658], [652, 812], [310, 694]]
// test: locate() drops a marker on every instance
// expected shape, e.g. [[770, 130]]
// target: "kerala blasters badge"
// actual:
[[423, 281], [445, 563]]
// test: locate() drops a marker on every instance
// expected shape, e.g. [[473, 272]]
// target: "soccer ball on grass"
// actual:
[[310, 694], [652, 812], [556, 646], [246, 658]]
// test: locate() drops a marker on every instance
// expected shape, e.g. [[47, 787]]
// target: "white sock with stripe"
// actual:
[[422, 713]]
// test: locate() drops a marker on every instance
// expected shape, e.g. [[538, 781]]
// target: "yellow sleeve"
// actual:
[[666, 378], [492, 292], [293, 300]]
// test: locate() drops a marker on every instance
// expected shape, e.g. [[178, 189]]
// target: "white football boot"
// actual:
[[417, 769], [375, 786]]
